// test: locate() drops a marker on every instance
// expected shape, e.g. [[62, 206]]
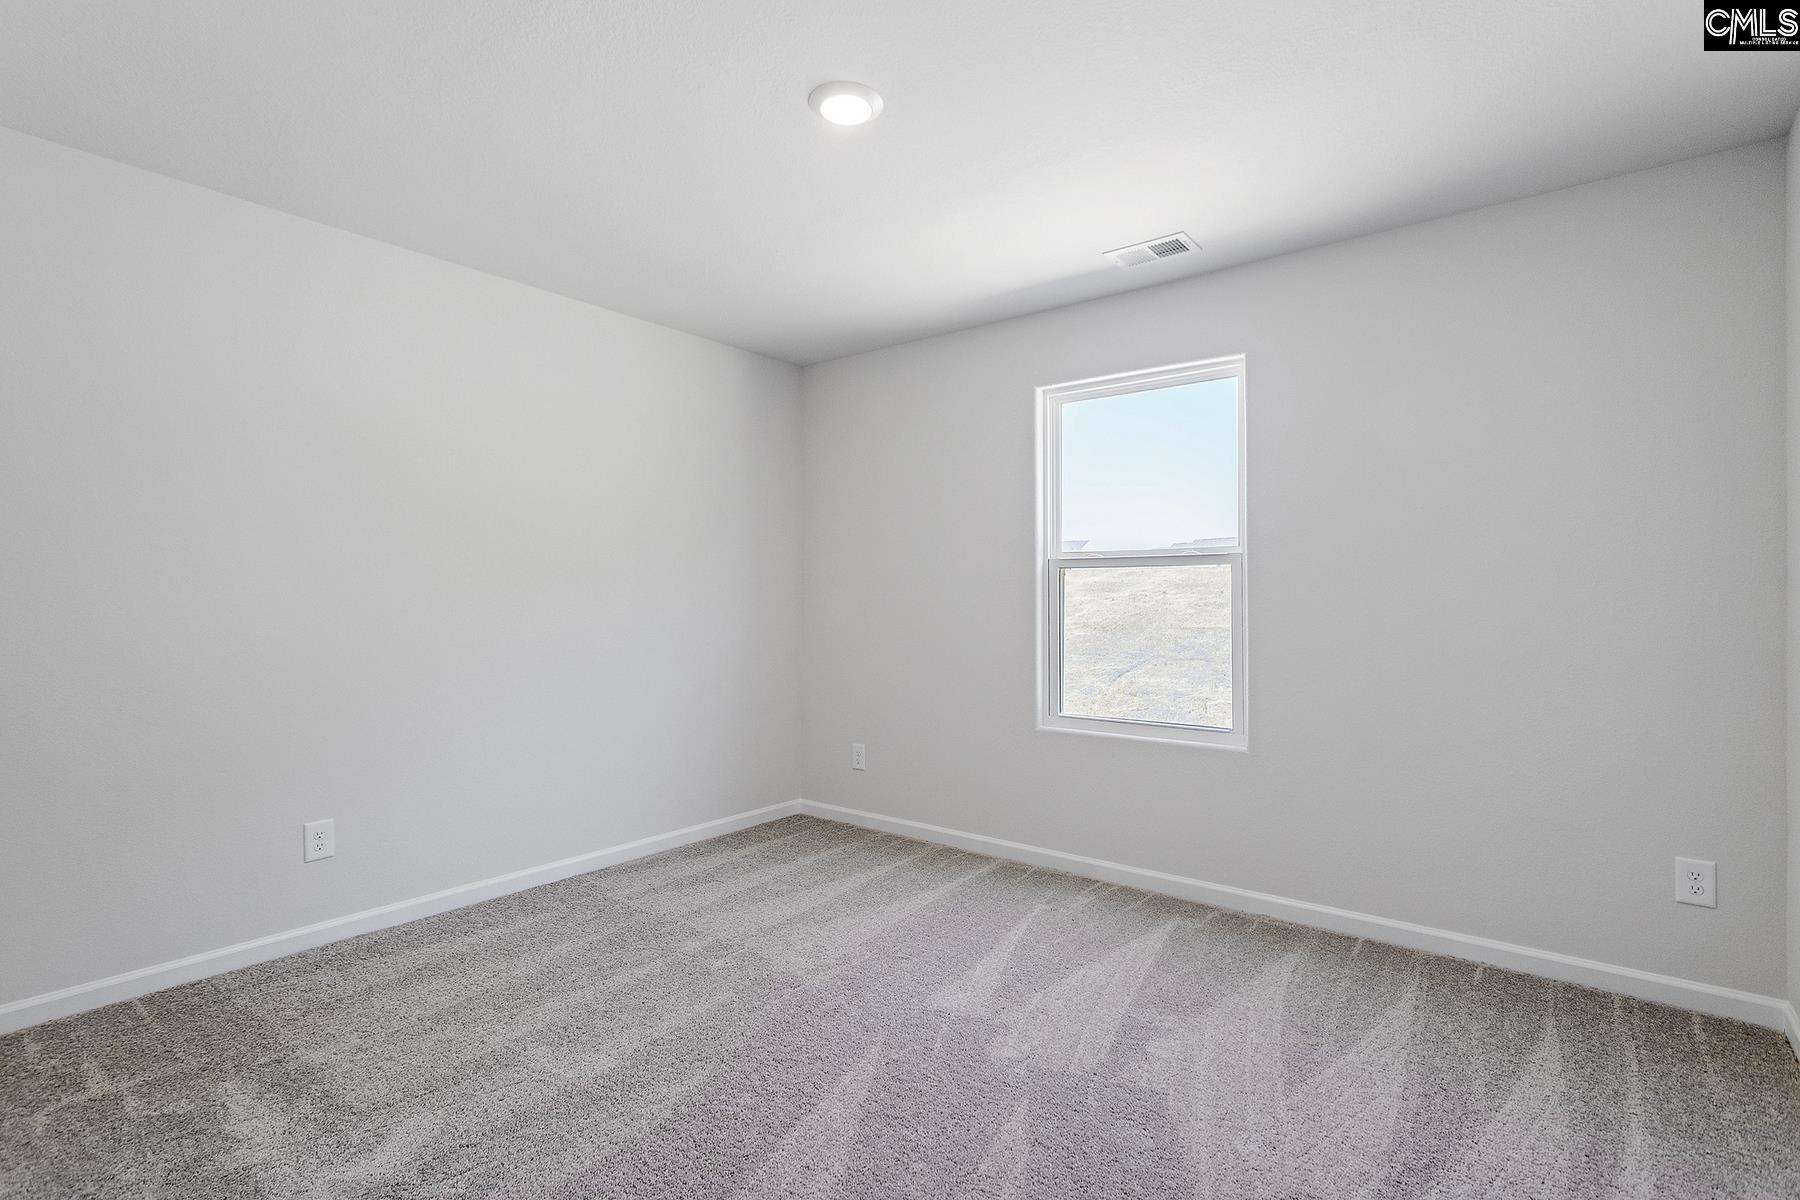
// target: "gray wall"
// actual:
[[1516, 576], [1793, 562], [294, 524]]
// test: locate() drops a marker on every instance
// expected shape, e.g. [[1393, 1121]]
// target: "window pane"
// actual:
[[1151, 470], [1148, 643]]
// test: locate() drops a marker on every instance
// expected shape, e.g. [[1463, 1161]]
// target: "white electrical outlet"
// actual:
[[859, 758], [1696, 882], [321, 840]]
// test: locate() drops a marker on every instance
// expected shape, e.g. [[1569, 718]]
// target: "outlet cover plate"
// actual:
[[321, 840], [1696, 882]]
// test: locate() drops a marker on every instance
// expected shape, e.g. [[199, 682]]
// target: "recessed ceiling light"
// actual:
[[844, 103]]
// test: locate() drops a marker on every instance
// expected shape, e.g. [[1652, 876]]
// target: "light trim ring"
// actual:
[[843, 102]]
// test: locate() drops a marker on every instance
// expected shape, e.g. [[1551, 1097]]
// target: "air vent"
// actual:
[[1167, 246]]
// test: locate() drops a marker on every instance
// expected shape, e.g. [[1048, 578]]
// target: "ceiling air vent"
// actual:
[[1168, 246]]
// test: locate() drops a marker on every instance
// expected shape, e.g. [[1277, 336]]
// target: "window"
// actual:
[[1141, 561]]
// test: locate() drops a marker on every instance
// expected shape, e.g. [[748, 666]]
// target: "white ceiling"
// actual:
[[658, 157]]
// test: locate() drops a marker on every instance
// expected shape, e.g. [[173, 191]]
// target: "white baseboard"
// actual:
[[34, 1010], [1767, 1011]]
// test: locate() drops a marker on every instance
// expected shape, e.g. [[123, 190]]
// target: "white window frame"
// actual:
[[1051, 560]]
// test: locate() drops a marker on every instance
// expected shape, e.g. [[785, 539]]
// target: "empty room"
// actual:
[[682, 600]]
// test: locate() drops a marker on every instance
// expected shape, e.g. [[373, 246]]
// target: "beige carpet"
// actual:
[[810, 1010]]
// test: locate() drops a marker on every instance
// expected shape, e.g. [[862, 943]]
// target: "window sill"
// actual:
[[1162, 735]]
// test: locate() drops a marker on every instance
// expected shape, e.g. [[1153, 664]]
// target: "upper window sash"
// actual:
[[1057, 396]]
